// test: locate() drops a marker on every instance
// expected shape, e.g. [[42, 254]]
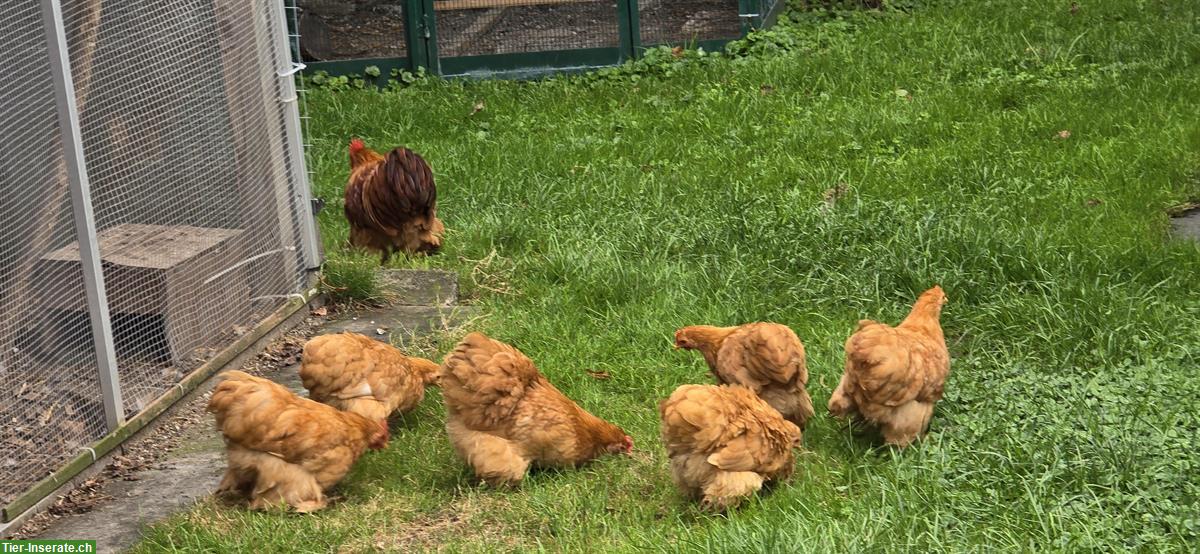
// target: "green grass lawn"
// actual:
[[591, 217]]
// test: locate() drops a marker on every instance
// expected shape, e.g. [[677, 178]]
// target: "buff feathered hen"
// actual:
[[725, 442], [767, 358], [356, 373], [504, 416], [284, 449], [895, 375]]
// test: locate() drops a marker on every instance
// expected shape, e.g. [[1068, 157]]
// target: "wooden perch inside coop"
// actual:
[[447, 5], [159, 286]]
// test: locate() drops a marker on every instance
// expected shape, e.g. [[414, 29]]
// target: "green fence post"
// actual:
[[629, 29], [414, 34], [429, 18], [749, 11]]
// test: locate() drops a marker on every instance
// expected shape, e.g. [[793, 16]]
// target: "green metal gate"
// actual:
[[510, 38]]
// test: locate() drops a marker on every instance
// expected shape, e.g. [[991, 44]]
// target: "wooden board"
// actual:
[[447, 5], [187, 278], [149, 246]]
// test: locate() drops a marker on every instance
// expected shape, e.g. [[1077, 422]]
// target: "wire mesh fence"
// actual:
[[49, 397], [688, 21], [481, 27], [349, 29], [198, 197], [520, 37]]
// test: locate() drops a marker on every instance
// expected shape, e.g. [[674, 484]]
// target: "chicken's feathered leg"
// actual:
[[907, 423], [727, 488], [495, 460]]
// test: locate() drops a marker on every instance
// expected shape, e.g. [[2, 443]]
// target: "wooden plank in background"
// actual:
[[447, 5]]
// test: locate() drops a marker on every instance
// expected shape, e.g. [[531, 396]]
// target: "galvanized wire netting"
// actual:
[[49, 390], [481, 27], [514, 36], [190, 142], [350, 29], [688, 21], [768, 6]]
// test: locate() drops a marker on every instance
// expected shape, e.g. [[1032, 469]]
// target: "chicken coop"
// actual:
[[156, 215], [511, 37]]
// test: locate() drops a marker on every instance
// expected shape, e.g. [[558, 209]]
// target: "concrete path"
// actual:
[[1187, 225], [124, 502]]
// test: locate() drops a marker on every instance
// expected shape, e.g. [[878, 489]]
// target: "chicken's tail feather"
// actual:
[[411, 180], [485, 376]]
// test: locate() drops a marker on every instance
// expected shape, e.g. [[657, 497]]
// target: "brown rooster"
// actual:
[[894, 375], [391, 202], [503, 415], [767, 358]]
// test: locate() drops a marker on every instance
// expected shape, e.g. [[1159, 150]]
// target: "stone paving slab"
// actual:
[[414, 287], [405, 321], [1187, 226]]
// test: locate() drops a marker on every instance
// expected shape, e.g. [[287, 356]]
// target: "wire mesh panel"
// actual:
[[767, 7], [191, 178], [687, 21], [350, 29], [479, 27], [49, 389]]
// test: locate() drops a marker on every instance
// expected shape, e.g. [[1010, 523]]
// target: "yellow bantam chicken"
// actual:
[[284, 449], [725, 442], [767, 358], [895, 375], [356, 373], [503, 416]]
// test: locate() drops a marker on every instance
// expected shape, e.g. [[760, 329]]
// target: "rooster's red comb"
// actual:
[[356, 145]]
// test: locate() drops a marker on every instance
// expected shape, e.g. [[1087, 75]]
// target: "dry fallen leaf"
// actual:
[[1064, 134], [677, 51], [1093, 202], [597, 374], [478, 107], [74, 428], [766, 90], [321, 312], [380, 331], [1074, 7], [831, 196], [1180, 209], [49, 413]]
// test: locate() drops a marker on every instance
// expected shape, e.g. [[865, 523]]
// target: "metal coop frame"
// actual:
[[152, 225], [511, 38]]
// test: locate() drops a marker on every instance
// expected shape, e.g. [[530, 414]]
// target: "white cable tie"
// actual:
[[246, 261], [89, 449], [270, 296], [296, 68], [748, 15]]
